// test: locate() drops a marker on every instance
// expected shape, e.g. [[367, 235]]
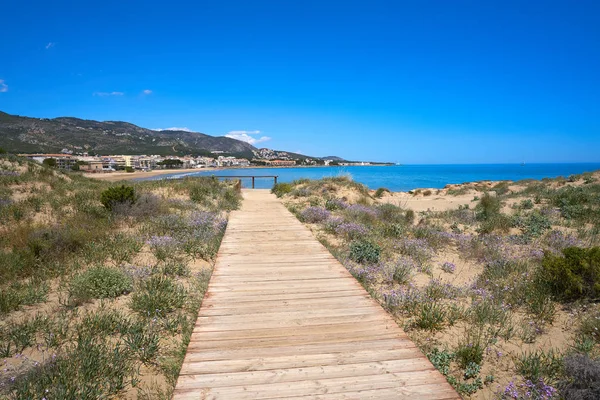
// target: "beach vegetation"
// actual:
[[334, 204], [99, 283], [314, 214], [117, 195], [380, 192], [281, 189], [364, 251], [49, 162], [540, 364], [90, 299], [409, 216], [573, 275], [581, 378], [470, 283], [157, 296]]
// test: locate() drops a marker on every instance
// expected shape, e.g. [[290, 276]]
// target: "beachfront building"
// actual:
[[63, 161], [232, 162], [204, 162], [355, 164], [280, 163], [144, 163], [94, 166]]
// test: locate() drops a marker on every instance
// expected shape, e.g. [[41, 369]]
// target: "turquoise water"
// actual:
[[408, 177]]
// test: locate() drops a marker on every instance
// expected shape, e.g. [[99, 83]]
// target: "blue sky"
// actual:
[[403, 81]]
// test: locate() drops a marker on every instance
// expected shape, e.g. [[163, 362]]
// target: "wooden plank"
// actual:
[[303, 340], [282, 318], [290, 349], [400, 356], [402, 381], [230, 298], [366, 328]]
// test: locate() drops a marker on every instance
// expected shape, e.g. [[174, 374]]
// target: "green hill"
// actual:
[[30, 135]]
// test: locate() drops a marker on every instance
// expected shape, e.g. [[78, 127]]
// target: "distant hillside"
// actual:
[[29, 135]]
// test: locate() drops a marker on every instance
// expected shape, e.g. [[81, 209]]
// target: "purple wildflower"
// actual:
[[202, 219], [314, 214], [358, 210], [557, 241], [136, 272], [511, 391], [448, 267], [418, 249], [336, 204], [161, 241], [351, 230]]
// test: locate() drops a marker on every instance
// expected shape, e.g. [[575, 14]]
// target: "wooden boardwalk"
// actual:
[[282, 318]]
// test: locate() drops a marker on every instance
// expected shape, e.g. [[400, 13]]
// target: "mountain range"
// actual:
[[42, 135]]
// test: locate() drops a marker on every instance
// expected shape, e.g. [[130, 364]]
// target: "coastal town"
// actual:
[[85, 162]]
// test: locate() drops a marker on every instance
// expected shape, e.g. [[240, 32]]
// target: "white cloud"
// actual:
[[3, 86], [243, 132], [244, 136], [147, 91], [50, 45], [103, 94], [174, 129]]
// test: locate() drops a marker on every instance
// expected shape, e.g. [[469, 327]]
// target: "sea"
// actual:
[[402, 177]]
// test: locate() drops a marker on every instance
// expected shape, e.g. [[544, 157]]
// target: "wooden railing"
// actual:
[[240, 177]]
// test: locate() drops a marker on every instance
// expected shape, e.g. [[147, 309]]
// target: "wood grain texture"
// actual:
[[283, 319]]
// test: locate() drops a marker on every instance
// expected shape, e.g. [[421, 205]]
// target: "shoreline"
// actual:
[[119, 176], [451, 196]]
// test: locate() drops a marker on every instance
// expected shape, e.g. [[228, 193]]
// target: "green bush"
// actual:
[[526, 204], [578, 203], [99, 283], [117, 195], [501, 188], [540, 364], [364, 251], [230, 200], [49, 162], [22, 293], [281, 189], [575, 275], [431, 316], [498, 222], [534, 224], [390, 213], [203, 190], [471, 348], [409, 216], [89, 369], [158, 296], [379, 192], [488, 207]]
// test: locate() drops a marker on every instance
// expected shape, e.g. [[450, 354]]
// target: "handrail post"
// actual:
[[275, 178], [253, 182]]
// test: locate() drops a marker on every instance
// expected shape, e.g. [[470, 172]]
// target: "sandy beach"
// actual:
[[121, 175]]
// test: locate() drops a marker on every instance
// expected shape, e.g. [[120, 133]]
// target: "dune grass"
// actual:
[[483, 290], [100, 283]]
